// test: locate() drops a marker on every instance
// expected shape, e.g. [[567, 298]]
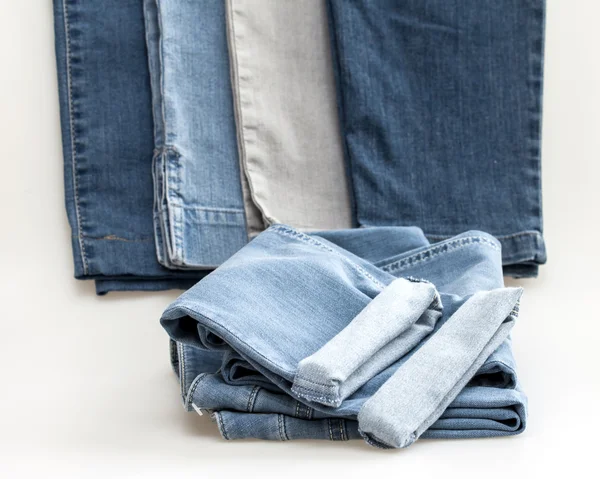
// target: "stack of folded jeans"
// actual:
[[370, 332], [400, 141]]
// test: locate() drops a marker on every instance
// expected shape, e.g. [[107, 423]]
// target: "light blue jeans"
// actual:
[[369, 332], [199, 215]]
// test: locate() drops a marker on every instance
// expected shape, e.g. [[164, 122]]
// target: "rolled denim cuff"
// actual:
[[411, 400], [389, 327]]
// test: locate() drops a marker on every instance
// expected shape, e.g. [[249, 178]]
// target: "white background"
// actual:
[[85, 384]]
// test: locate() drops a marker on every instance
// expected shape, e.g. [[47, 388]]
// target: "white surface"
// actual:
[[85, 384]]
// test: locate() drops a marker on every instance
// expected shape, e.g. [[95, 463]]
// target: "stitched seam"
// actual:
[[344, 430], [161, 81], [498, 237], [231, 13], [437, 251], [252, 398], [340, 424], [285, 231], [320, 399], [78, 215], [312, 383], [197, 381], [297, 411], [221, 425], [330, 431], [204, 208], [281, 427], [182, 369]]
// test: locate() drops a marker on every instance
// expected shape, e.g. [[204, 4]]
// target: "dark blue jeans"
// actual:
[[440, 104]]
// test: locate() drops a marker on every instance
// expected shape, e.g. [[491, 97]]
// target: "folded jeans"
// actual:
[[333, 331]]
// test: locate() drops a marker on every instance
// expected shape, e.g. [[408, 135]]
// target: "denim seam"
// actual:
[[535, 124], [286, 231], [252, 398], [305, 392], [281, 426], [182, 371], [297, 410], [315, 398], [498, 237], [74, 175], [343, 427], [161, 72], [221, 425], [437, 251], [174, 204], [330, 431], [242, 127], [190, 395]]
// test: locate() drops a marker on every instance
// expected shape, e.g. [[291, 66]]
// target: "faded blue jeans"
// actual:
[[370, 332], [199, 215]]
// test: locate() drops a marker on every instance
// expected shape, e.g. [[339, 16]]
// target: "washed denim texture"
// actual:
[[263, 341], [440, 107], [106, 123], [286, 113], [199, 212]]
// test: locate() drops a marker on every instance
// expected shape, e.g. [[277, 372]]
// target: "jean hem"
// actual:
[[522, 252]]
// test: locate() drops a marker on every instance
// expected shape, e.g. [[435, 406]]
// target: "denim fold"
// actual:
[[298, 320]]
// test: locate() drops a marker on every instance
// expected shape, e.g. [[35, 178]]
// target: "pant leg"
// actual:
[[199, 211], [106, 123], [441, 113]]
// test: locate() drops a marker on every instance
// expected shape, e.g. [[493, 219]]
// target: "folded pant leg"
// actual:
[[246, 410]]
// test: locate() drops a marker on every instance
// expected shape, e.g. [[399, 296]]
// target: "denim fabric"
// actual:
[[283, 311], [106, 123], [199, 208], [286, 112], [440, 106]]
